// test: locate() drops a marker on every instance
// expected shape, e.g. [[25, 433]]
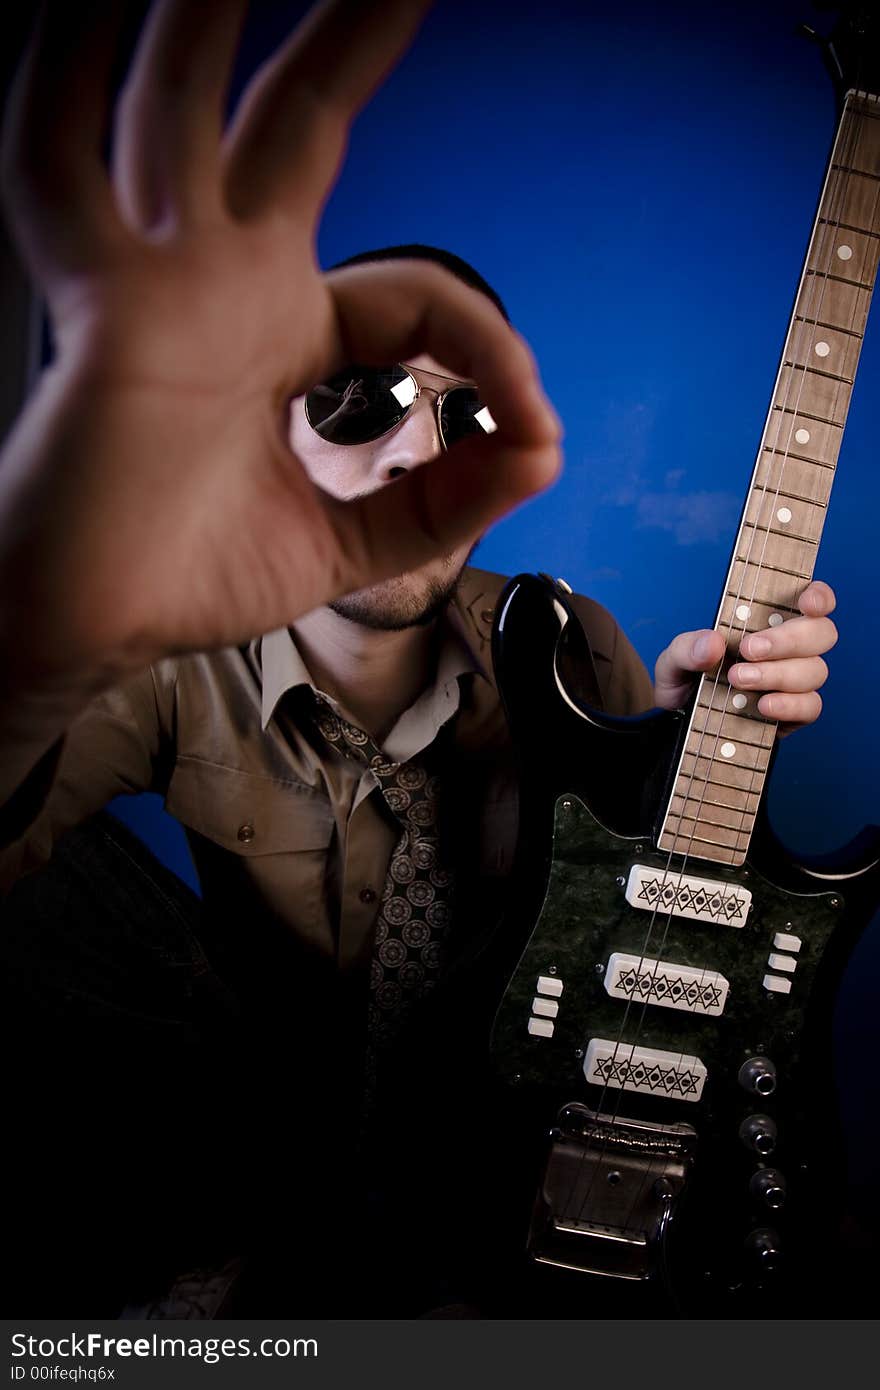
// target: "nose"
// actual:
[[415, 442]]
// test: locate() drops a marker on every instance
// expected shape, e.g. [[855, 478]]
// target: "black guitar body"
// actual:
[[692, 1159]]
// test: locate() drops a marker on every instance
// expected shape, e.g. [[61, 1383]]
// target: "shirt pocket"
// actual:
[[259, 844], [246, 813]]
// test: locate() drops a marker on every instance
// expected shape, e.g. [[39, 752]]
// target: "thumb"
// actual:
[[438, 506], [687, 654]]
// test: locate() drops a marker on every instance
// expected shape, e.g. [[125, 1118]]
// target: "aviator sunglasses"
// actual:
[[361, 404]]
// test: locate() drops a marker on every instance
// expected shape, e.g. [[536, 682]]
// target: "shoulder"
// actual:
[[623, 679]]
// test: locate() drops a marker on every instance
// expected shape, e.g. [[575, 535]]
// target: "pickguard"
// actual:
[[585, 915]]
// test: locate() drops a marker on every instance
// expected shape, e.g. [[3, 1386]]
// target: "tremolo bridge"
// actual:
[[609, 1193]]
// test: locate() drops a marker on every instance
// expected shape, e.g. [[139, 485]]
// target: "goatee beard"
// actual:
[[390, 607]]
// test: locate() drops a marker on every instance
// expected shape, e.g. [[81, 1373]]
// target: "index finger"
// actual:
[[391, 310]]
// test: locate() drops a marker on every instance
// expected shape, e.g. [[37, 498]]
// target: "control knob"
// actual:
[[768, 1187], [758, 1075], [765, 1248], [758, 1132]]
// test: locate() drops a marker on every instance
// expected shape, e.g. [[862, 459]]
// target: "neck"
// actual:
[[374, 674]]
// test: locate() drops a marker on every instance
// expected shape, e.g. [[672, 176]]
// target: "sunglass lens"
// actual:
[[463, 413], [360, 404]]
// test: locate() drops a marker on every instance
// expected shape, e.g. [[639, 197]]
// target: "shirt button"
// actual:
[[367, 895], [487, 615], [245, 833]]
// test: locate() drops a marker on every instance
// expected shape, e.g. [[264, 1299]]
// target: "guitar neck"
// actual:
[[726, 753]]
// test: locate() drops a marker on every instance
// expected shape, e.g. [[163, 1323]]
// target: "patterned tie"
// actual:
[[414, 914]]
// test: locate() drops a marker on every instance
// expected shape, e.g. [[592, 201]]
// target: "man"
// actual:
[[296, 834], [287, 756]]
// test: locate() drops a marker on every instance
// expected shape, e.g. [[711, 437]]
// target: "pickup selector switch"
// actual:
[[758, 1075], [758, 1132], [768, 1188]]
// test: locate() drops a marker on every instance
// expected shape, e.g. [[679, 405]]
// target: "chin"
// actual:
[[410, 600]]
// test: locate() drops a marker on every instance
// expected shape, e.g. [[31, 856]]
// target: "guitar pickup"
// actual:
[[670, 986], [683, 895], [646, 1070]]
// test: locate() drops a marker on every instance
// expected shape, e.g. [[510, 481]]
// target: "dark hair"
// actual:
[[417, 252]]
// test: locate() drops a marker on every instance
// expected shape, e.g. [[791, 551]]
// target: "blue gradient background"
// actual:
[[638, 183]]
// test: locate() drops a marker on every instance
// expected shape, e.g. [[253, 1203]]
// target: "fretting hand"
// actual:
[[784, 663]]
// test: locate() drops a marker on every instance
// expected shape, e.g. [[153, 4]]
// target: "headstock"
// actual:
[[852, 50]]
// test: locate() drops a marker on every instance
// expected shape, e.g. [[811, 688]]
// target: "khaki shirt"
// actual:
[[284, 830]]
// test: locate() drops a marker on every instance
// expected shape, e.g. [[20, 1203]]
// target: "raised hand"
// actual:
[[784, 662], [149, 502]]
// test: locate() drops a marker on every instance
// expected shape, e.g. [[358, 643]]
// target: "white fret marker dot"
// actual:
[[740, 701], [822, 349], [802, 436], [775, 619], [844, 252], [784, 515], [728, 750], [743, 612]]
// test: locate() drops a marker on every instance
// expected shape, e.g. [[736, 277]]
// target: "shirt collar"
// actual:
[[283, 669]]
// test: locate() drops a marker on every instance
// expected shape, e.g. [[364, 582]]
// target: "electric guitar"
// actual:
[[667, 1021]]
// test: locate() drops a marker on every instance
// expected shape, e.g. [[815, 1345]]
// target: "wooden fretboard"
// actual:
[[721, 773]]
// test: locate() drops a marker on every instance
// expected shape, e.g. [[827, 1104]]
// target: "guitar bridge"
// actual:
[[609, 1193]]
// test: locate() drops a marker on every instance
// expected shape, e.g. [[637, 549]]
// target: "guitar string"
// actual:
[[621, 1093], [808, 318], [827, 230]]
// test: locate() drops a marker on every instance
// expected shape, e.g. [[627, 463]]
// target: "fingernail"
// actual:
[[758, 646], [746, 675], [702, 649]]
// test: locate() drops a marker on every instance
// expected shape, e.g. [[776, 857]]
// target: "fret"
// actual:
[[773, 496], [749, 756], [834, 303], [825, 350], [851, 203], [825, 323], [854, 169], [714, 725], [811, 394], [718, 696], [719, 773], [776, 551], [841, 302], [809, 479], [859, 268], [694, 847], [736, 804], [709, 819], [783, 454], [788, 410], [711, 813], [760, 584], [762, 517], [688, 829], [760, 616]]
